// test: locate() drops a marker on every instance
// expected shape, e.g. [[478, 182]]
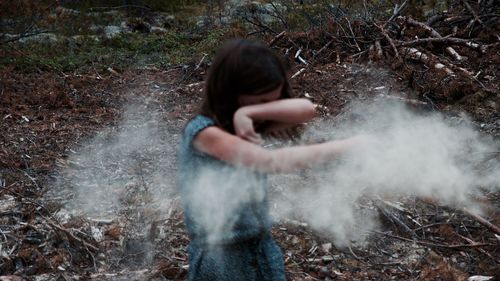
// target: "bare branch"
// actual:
[[483, 221], [389, 39], [435, 34], [445, 40]]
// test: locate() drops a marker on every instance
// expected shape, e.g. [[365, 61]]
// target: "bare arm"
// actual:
[[234, 150], [282, 113]]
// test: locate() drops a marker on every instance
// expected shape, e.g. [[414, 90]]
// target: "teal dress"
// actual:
[[226, 215]]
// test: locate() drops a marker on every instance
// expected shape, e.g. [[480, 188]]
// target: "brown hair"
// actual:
[[241, 67]]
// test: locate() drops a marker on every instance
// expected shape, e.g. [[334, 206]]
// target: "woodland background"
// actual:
[[80, 81]]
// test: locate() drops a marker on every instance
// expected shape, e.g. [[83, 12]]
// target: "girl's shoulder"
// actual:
[[197, 124]]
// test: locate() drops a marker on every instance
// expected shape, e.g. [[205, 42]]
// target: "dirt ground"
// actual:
[[64, 131], [56, 115]]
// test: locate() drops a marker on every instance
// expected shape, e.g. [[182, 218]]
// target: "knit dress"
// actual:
[[226, 215]]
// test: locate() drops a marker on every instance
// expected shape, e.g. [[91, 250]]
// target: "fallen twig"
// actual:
[[378, 50], [279, 15], [299, 58], [472, 242], [298, 73], [424, 58], [260, 25], [354, 255], [201, 61], [474, 14], [323, 48], [26, 32], [397, 11], [119, 8], [276, 38], [444, 40], [430, 244], [483, 221], [353, 36], [434, 33], [23, 35], [71, 236], [389, 39], [394, 219], [410, 101]]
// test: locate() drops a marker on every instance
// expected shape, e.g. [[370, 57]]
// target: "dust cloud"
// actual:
[[126, 168], [218, 197], [406, 154]]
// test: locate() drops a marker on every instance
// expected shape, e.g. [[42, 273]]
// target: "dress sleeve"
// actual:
[[194, 127]]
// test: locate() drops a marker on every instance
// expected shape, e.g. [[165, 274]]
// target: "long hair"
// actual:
[[241, 67]]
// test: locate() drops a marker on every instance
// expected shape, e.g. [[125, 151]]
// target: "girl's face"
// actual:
[[273, 95]]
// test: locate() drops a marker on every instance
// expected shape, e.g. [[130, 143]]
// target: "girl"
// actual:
[[247, 92]]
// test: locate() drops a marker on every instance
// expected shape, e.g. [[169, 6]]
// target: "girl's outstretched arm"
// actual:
[[234, 150]]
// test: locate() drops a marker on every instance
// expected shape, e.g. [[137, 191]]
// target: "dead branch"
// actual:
[[279, 15], [422, 25], [454, 53], [395, 220], [432, 20], [397, 11], [445, 40], [474, 14], [435, 245], [354, 255], [276, 38], [433, 61], [472, 242], [483, 221], [201, 61], [26, 32], [435, 34], [299, 58], [341, 28], [352, 34], [324, 47], [93, 9], [389, 39], [423, 227], [378, 49], [259, 24], [71, 236], [417, 55], [406, 100], [298, 73]]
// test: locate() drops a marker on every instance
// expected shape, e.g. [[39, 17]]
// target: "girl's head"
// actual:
[[242, 72]]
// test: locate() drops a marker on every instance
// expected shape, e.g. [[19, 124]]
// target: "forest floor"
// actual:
[[87, 173]]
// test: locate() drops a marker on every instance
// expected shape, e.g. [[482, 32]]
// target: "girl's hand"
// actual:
[[243, 127], [285, 131]]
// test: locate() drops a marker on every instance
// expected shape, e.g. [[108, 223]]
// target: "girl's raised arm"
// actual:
[[284, 110], [234, 150], [282, 113]]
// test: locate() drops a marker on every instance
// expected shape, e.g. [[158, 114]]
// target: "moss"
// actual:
[[120, 52], [212, 41]]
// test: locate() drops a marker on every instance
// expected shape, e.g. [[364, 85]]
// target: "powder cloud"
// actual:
[[406, 154]]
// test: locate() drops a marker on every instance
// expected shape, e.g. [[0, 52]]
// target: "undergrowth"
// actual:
[[76, 42], [119, 53], [82, 46]]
